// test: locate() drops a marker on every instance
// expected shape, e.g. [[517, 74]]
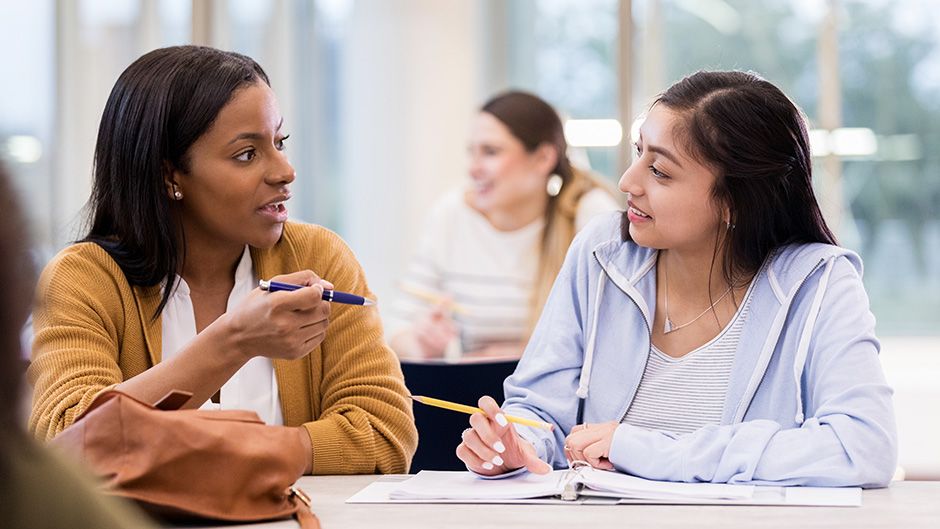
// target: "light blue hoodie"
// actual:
[[807, 402]]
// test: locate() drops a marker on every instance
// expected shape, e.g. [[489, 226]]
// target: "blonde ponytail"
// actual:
[[560, 217]]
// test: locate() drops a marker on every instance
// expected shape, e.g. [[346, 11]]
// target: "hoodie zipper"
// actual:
[[752, 387], [649, 336]]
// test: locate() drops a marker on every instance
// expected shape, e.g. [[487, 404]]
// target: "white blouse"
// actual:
[[254, 386]]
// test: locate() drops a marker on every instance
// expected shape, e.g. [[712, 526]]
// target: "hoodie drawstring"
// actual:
[[585, 379]]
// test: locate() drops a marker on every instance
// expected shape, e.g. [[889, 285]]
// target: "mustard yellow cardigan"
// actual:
[[94, 330]]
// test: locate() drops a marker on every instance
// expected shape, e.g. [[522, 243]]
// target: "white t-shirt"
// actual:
[[254, 386], [489, 274]]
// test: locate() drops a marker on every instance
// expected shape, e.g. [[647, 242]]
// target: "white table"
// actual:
[[907, 504]]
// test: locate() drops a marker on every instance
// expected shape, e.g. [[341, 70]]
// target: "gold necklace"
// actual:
[[669, 327]]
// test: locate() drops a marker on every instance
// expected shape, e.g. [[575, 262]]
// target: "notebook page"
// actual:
[[431, 484], [626, 486]]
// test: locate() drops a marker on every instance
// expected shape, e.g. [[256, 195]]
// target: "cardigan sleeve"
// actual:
[[366, 424], [77, 321]]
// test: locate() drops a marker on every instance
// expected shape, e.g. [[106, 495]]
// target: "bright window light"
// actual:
[[819, 142], [24, 149], [843, 142], [853, 142], [593, 132]]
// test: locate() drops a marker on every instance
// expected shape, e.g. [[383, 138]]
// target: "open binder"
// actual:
[[584, 484]]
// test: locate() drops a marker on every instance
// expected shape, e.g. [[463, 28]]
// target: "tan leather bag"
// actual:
[[181, 464]]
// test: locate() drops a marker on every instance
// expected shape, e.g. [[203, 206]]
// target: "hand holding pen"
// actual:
[[287, 325], [334, 296]]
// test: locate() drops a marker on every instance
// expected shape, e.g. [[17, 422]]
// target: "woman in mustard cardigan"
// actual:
[[187, 214]]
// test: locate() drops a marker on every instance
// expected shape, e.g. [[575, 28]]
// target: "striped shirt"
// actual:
[[681, 395], [488, 274]]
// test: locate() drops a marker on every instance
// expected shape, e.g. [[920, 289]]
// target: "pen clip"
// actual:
[[571, 487]]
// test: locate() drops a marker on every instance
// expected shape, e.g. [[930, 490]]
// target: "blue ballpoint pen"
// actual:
[[328, 295]]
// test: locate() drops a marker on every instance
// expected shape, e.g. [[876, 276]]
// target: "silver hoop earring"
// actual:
[[553, 187]]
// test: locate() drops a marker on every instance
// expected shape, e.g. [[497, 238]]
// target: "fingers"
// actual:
[[591, 443], [316, 315], [303, 298], [573, 452], [430, 342], [473, 461], [516, 450], [532, 462], [491, 408], [596, 456], [492, 446], [489, 457], [301, 277], [433, 332]]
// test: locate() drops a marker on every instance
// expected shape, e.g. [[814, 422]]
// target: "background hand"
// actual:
[[433, 331]]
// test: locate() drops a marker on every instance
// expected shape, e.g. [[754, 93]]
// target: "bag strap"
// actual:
[[303, 514], [173, 400]]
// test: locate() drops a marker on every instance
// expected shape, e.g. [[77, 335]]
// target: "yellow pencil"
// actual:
[[433, 298], [447, 405]]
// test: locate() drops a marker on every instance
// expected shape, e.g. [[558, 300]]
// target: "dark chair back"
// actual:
[[438, 429]]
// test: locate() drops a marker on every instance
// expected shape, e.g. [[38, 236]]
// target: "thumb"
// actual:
[[527, 452], [532, 461]]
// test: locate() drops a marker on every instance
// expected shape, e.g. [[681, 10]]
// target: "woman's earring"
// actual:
[[554, 185], [730, 226], [177, 194]]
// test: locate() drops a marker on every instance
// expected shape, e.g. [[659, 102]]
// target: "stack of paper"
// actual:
[[467, 486], [590, 485]]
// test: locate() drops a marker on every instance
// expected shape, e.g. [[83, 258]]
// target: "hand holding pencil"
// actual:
[[434, 330], [491, 445]]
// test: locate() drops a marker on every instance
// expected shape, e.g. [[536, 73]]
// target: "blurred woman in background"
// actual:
[[489, 254]]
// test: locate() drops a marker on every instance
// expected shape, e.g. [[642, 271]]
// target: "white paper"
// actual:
[[466, 487], [627, 486], [430, 484]]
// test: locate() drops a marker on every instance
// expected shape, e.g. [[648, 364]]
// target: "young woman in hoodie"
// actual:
[[713, 331]]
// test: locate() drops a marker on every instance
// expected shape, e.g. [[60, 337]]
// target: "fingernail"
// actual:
[[487, 465], [499, 447], [498, 461], [501, 419]]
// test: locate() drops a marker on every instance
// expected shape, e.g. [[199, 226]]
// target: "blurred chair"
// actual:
[[439, 430]]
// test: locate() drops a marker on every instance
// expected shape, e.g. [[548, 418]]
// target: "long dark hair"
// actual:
[[19, 280], [755, 138], [158, 108], [534, 122]]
